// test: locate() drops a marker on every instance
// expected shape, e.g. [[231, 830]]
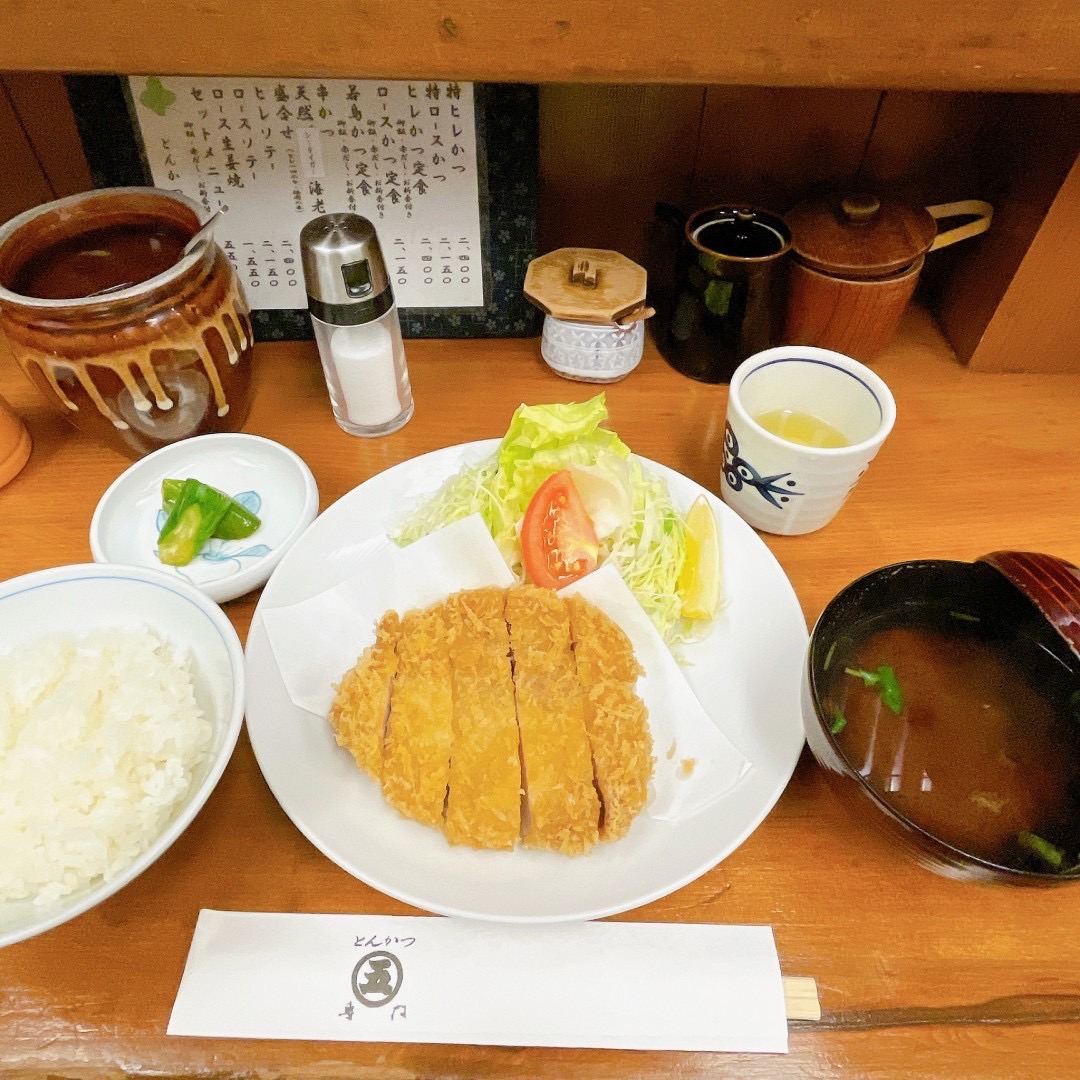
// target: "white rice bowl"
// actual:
[[121, 699]]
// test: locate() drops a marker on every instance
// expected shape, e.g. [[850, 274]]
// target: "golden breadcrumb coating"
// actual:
[[563, 807], [484, 806], [615, 717], [502, 715], [362, 699], [419, 735]]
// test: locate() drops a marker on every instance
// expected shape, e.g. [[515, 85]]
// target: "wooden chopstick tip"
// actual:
[[801, 998]]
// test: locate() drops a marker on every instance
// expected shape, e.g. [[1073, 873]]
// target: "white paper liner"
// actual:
[[315, 641]]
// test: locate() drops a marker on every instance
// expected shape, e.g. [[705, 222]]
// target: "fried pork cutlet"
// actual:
[[362, 700], [615, 717], [562, 804], [483, 809], [419, 734], [502, 715]]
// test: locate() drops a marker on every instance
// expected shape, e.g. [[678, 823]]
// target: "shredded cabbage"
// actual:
[[647, 546]]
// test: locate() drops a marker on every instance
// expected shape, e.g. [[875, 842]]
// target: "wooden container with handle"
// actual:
[[857, 260]]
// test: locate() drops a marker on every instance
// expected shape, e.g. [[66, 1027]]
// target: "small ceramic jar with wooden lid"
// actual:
[[857, 260], [594, 306]]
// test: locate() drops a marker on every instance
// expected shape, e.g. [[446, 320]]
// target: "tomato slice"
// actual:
[[558, 541]]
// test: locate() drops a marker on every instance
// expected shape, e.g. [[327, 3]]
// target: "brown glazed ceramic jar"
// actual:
[[156, 349]]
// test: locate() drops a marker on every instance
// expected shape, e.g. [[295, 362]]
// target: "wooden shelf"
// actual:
[[669, 102], [922, 44]]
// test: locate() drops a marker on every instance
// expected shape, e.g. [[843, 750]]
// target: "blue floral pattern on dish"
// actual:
[[739, 471], [220, 553]]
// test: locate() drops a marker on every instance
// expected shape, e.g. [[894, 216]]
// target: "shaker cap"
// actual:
[[859, 235], [586, 285], [343, 263]]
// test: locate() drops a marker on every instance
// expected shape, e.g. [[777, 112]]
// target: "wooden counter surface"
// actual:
[[918, 975]]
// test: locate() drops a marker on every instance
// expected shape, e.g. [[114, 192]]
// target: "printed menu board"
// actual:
[[274, 154], [444, 170]]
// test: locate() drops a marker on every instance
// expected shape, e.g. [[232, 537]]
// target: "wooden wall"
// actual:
[[609, 154], [40, 154], [630, 146]]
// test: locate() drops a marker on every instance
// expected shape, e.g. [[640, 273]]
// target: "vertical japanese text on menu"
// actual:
[[275, 153]]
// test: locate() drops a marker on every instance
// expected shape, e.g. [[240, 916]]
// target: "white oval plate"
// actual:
[[267, 477], [747, 673]]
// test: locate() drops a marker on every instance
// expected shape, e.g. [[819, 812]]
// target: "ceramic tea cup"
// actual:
[[803, 425]]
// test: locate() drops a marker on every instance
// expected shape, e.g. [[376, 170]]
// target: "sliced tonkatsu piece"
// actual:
[[615, 717], [563, 808], [362, 699], [483, 808], [419, 735]]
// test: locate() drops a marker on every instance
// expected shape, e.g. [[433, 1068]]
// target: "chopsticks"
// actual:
[[801, 998]]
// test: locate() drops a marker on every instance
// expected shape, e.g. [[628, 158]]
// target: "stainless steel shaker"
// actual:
[[356, 324]]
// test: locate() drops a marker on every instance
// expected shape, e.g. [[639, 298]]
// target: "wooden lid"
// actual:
[[859, 236], [1050, 583], [587, 285]]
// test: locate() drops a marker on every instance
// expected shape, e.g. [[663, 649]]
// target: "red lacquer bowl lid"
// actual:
[[1050, 583]]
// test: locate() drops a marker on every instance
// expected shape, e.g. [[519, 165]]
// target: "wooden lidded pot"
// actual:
[[857, 260]]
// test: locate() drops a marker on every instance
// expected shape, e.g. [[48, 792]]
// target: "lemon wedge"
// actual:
[[700, 580]]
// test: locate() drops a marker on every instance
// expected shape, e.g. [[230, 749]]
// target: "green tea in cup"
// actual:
[[801, 427]]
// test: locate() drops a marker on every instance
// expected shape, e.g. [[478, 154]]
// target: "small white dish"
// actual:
[[265, 476]]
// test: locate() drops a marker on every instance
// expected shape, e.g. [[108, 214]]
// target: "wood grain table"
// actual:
[[918, 975]]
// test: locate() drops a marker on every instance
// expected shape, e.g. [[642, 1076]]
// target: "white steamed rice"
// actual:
[[100, 735]]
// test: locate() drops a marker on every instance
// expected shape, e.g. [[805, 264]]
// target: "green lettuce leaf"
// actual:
[[646, 544]]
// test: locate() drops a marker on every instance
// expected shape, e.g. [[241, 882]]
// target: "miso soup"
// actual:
[[972, 736]]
